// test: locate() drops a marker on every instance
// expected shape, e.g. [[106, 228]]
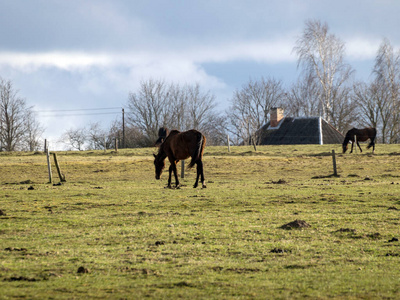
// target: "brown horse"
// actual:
[[178, 146], [361, 135]]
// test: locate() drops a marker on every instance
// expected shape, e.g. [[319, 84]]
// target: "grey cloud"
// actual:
[[111, 25]]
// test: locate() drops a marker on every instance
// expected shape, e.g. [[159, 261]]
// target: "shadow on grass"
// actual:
[[325, 176]]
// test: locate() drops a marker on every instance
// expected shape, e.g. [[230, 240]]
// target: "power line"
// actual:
[[75, 112], [80, 109], [83, 114]]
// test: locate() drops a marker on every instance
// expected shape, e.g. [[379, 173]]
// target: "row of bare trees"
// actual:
[[325, 88], [95, 137], [158, 104]]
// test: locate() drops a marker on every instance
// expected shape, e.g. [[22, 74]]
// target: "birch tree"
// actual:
[[321, 55], [387, 97]]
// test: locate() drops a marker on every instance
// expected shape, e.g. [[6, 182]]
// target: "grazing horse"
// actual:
[[178, 146], [162, 135], [361, 135]]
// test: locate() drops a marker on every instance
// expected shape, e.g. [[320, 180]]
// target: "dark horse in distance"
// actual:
[[162, 135], [181, 145], [361, 135]]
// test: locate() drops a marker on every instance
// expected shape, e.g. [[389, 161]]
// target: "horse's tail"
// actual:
[[198, 152]]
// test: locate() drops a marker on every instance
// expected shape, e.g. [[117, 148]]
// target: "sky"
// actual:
[[76, 61]]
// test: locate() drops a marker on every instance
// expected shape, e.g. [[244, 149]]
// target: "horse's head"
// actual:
[[159, 163], [347, 140], [345, 145]]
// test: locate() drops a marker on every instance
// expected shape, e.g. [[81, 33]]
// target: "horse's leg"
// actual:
[[200, 174], [176, 174], [197, 176], [359, 146], [372, 144], [352, 144], [169, 178]]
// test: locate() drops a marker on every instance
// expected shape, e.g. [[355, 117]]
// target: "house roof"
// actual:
[[310, 130]]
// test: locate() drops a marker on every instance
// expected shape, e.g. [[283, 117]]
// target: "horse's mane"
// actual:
[[350, 132], [173, 132]]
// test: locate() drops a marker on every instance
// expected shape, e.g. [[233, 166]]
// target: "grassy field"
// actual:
[[112, 231]]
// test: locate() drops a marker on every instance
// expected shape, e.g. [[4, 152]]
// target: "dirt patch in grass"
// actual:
[[296, 224], [346, 230], [280, 251], [22, 278]]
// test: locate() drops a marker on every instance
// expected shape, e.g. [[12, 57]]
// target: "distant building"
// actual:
[[304, 130]]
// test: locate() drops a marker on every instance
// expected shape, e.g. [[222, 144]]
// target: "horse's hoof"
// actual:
[[204, 186]]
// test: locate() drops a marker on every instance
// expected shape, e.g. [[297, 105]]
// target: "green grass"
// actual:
[[139, 240]]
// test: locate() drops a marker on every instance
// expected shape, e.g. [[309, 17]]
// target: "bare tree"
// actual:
[[176, 107], [17, 121], [97, 137], [387, 82], [322, 57], [134, 138], [344, 109], [215, 129], [302, 99], [365, 96], [251, 105], [32, 139], [148, 108], [75, 139], [177, 112], [200, 108]]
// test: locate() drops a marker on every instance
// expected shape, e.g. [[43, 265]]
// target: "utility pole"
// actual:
[[123, 128]]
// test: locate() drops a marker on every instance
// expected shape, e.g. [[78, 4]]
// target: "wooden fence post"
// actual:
[[182, 168], [229, 146], [334, 163], [49, 165], [62, 176]]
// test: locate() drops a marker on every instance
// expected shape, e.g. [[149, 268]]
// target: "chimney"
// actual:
[[275, 116]]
